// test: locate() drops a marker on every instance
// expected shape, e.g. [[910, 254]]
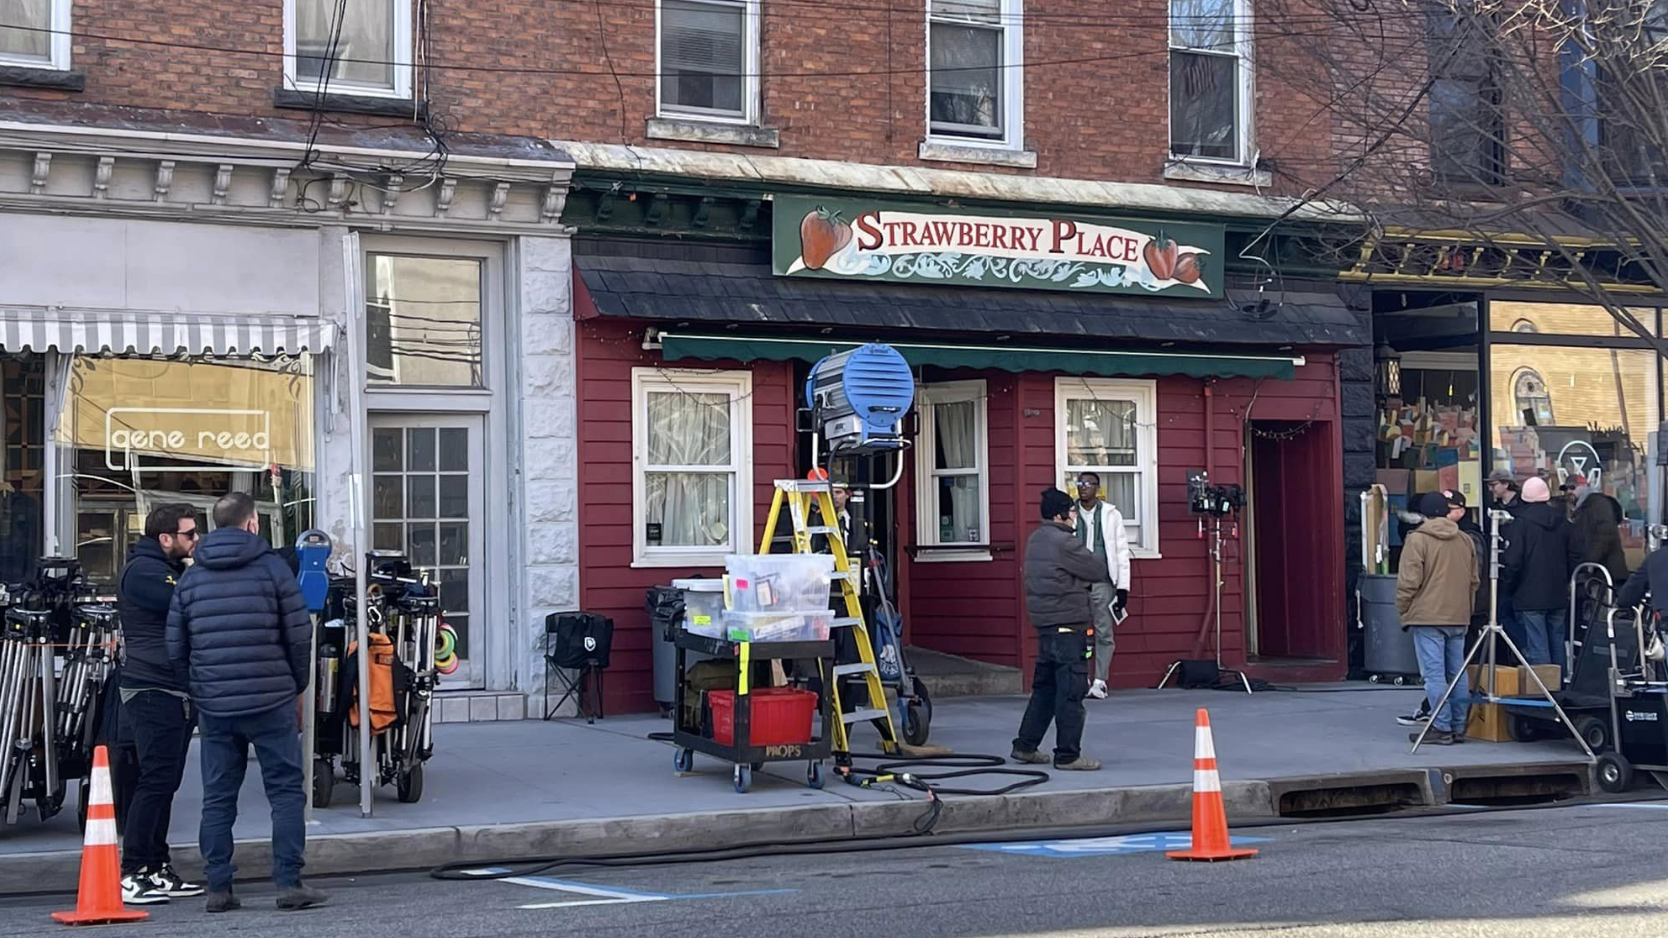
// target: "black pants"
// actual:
[[1057, 689], [161, 726]]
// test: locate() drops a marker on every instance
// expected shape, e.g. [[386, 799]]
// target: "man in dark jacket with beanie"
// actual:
[[1059, 573], [240, 629], [154, 704], [1536, 573]]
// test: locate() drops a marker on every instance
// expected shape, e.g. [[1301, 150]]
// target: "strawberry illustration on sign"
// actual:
[[1160, 255], [1189, 267], [1166, 261], [822, 234]]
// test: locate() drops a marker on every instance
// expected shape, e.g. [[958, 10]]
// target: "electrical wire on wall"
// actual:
[[427, 169]]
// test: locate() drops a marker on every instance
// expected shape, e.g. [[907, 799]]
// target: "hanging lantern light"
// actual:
[[1387, 369]]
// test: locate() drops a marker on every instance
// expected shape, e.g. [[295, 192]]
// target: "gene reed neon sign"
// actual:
[[198, 439]]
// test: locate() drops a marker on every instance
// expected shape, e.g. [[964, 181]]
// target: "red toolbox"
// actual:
[[781, 716]]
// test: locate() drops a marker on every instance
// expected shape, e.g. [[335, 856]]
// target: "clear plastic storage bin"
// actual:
[[779, 582], [703, 607], [811, 626]]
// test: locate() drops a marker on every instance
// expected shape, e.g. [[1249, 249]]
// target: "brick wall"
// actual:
[[1096, 78]]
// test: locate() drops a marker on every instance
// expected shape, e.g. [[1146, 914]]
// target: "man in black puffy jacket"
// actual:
[[240, 629], [155, 705], [1059, 572]]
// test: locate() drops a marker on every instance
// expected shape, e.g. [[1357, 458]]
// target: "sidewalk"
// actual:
[[497, 789]]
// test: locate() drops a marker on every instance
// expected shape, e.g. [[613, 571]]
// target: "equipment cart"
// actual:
[[1638, 705], [403, 618], [751, 739]]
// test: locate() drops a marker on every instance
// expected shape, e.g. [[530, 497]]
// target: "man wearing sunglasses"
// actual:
[[156, 708]]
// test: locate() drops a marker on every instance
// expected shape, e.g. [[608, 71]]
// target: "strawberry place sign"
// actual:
[[852, 240]]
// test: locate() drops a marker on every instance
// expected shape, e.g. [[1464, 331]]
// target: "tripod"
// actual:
[[1486, 643], [1217, 584]]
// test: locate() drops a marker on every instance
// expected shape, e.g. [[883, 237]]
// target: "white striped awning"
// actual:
[[127, 332]]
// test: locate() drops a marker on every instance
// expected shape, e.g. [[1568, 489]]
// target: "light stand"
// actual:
[[1486, 640], [1217, 502]]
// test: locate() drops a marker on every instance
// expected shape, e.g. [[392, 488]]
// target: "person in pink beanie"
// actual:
[[1536, 573]]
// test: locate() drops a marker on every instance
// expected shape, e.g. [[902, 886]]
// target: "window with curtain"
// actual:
[[36, 33], [953, 479], [1109, 428], [707, 56], [975, 56], [351, 46], [691, 435], [1210, 79]]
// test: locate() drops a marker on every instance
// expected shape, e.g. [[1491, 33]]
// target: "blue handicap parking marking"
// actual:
[[1104, 846]]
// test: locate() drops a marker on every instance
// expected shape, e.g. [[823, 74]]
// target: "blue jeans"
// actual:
[[1547, 630], [225, 745], [1441, 650]]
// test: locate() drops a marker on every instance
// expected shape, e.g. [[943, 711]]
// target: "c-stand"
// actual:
[[1486, 639]]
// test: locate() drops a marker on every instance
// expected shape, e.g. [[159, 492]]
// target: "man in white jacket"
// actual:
[[1101, 529]]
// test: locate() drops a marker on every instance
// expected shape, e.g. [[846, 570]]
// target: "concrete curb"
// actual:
[[389, 851]]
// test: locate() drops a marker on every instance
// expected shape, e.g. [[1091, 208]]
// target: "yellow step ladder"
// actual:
[[799, 496]]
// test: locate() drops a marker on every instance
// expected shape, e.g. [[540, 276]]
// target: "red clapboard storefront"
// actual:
[[691, 364]]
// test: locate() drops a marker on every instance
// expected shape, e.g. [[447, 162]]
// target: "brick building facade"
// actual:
[[830, 103]]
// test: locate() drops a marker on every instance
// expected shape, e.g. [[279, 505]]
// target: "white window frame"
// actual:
[[58, 43], [401, 89], [927, 475], [1243, 48], [1012, 67], [739, 386], [1145, 396], [750, 86]]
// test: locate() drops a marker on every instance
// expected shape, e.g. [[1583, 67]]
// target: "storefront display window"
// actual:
[[21, 505], [1562, 319], [134, 433], [1428, 438], [1578, 416]]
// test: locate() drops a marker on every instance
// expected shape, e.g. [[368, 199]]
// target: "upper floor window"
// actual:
[[1465, 116], [351, 47], [36, 33], [974, 85], [709, 59], [1210, 80]]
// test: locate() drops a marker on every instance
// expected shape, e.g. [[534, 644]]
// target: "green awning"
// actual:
[[1101, 362]]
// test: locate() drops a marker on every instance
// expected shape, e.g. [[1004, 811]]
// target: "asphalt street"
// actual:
[[1591, 870]]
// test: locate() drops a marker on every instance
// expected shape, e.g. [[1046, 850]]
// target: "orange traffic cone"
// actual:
[[1210, 815], [100, 901]]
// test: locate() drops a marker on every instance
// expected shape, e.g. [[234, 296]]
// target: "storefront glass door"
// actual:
[[427, 502]]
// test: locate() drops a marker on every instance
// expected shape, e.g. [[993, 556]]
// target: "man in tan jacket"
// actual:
[[1435, 588]]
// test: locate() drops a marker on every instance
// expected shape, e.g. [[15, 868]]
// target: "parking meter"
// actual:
[[312, 551]]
